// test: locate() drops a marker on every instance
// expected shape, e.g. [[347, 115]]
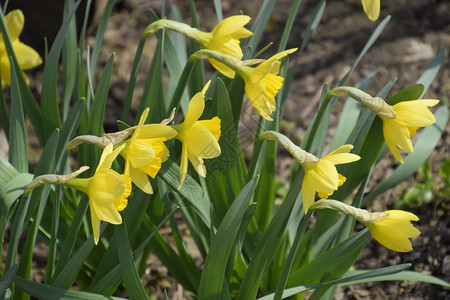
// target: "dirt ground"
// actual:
[[417, 30]]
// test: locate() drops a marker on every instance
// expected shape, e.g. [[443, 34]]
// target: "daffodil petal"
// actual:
[[95, 222], [223, 69], [231, 26], [323, 176], [201, 142], [183, 164], [415, 113], [371, 8], [195, 110], [14, 22], [342, 158], [27, 57], [396, 134], [107, 213], [342, 149], [152, 131], [197, 162], [308, 193], [141, 180]]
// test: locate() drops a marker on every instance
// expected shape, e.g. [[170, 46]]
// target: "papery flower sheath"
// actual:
[[224, 38], [410, 115], [107, 190], [26, 56], [400, 121], [145, 151], [391, 228], [199, 138], [321, 175], [371, 8]]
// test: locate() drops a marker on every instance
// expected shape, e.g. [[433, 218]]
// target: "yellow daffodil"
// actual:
[[320, 174], [145, 151], [199, 138], [371, 8], [322, 177], [107, 190], [391, 228], [262, 82], [395, 230], [400, 121], [26, 56], [224, 38], [410, 115]]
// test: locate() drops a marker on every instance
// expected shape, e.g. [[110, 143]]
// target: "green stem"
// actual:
[[289, 261]]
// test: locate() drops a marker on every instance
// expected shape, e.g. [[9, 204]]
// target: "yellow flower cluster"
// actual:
[[144, 152]]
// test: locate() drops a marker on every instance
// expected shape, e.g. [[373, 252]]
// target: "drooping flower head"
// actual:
[[199, 137], [26, 56], [371, 8], [224, 38], [391, 228], [262, 82], [321, 175], [400, 121], [410, 115], [145, 151], [107, 190]]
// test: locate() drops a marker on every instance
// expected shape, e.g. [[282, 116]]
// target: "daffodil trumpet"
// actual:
[[145, 151], [224, 38], [391, 228], [321, 175], [400, 121]]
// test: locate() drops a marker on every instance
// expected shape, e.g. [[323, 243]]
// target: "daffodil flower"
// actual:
[[107, 190], [145, 151], [395, 230], [400, 121], [26, 56], [410, 115], [262, 82], [391, 228], [199, 137], [371, 8], [224, 38], [321, 175]]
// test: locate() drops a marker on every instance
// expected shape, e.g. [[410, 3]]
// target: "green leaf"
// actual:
[[405, 275], [97, 111], [49, 292], [18, 153], [326, 267], [5, 280], [431, 72], [130, 275], [221, 244], [190, 190], [49, 98], [13, 189], [132, 81]]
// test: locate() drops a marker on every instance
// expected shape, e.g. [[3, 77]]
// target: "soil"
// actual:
[[417, 30]]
